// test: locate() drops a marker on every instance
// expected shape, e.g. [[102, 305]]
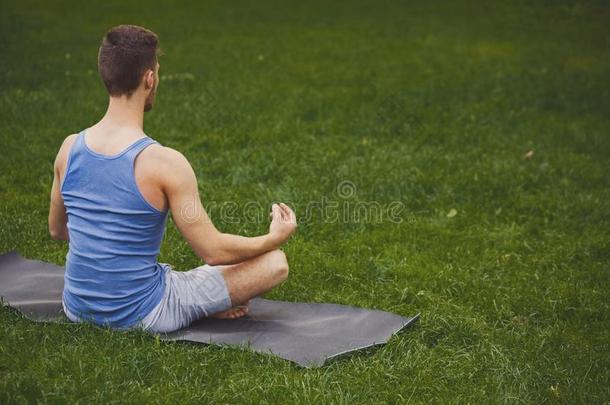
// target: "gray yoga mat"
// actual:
[[306, 333]]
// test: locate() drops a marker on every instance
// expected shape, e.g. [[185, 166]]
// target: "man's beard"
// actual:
[[150, 100]]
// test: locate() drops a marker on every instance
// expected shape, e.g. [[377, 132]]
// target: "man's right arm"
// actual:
[[179, 184]]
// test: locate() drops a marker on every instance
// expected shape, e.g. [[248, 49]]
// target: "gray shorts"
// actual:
[[188, 296]]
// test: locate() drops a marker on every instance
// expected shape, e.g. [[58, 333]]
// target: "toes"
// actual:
[[236, 312], [239, 313]]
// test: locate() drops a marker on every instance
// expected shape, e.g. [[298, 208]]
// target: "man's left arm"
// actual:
[[58, 219]]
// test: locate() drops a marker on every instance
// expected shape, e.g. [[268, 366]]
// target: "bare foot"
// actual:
[[236, 312]]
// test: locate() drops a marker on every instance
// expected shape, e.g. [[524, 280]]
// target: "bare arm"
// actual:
[[58, 220], [213, 246]]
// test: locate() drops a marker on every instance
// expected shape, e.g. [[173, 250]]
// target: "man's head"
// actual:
[[127, 62]]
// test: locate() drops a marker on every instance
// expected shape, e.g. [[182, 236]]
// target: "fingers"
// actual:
[[285, 211], [285, 216], [289, 212], [282, 212], [276, 212]]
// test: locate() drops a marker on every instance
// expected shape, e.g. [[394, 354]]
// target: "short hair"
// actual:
[[126, 52]]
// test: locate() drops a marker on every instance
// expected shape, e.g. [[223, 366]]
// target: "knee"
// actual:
[[280, 264]]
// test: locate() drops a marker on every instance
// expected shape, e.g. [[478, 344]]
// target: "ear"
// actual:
[[149, 79]]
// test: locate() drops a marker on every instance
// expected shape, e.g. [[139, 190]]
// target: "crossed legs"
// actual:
[[252, 278]]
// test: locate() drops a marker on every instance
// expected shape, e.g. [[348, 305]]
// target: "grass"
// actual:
[[427, 106]]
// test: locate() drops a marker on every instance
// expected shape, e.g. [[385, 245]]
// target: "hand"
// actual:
[[283, 223]]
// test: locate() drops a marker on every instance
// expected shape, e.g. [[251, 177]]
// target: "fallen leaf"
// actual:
[[529, 154]]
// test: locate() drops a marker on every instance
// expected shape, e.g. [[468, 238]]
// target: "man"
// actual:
[[111, 194]]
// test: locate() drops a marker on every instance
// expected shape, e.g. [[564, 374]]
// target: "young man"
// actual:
[[111, 194]]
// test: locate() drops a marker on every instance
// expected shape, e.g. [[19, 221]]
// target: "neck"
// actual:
[[125, 112]]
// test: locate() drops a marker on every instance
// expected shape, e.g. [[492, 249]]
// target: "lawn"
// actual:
[[449, 158]]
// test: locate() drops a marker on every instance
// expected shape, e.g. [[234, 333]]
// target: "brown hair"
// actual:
[[127, 51]]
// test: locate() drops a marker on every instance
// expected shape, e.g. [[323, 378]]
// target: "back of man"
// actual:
[[112, 274], [112, 191]]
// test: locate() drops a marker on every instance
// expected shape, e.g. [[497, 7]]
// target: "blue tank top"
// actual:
[[112, 275]]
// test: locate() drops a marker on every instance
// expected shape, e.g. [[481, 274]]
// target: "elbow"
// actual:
[[214, 253], [58, 234], [217, 257], [213, 260]]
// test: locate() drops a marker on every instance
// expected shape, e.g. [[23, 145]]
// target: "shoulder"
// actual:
[[64, 150], [69, 140], [164, 157], [166, 164]]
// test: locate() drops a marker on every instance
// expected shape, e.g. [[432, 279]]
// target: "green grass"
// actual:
[[429, 105]]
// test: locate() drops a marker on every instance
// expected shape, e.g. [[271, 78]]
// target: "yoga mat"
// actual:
[[306, 333]]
